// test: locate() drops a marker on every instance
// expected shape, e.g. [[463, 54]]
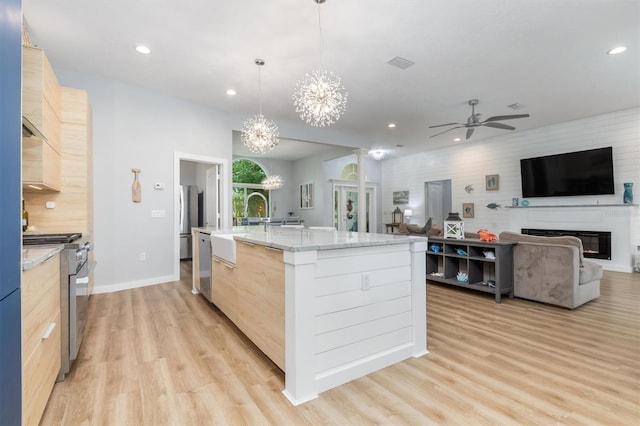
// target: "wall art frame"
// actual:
[[492, 182], [400, 197], [306, 195], [468, 210]]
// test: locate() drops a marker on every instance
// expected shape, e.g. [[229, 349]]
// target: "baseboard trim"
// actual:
[[134, 284]]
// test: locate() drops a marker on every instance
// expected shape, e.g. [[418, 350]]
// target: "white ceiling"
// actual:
[[549, 55]]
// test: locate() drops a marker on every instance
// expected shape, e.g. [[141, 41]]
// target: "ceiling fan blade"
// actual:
[[506, 117], [499, 126], [438, 134], [442, 125], [470, 132]]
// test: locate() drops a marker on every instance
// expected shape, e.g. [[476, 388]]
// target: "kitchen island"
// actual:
[[326, 306]]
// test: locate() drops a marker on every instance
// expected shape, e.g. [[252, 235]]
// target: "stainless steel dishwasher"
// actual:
[[204, 246]]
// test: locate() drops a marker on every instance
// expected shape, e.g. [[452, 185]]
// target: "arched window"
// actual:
[[250, 199]]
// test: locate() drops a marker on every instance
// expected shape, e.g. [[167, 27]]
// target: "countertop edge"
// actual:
[[331, 246], [33, 256]]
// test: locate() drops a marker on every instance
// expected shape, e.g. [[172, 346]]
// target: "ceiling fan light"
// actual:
[[377, 154]]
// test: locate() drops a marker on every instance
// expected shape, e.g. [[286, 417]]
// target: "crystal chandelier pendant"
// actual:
[[320, 99], [272, 182], [259, 135]]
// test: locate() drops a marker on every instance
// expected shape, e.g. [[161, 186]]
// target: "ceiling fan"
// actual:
[[474, 121]]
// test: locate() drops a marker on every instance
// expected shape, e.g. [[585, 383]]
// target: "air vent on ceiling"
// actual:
[[401, 63], [516, 106]]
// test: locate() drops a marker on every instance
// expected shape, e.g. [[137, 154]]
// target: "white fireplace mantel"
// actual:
[[622, 220]]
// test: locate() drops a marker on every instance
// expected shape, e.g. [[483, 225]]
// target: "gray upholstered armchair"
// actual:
[[553, 270]]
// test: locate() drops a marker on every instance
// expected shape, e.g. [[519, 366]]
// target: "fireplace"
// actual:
[[595, 244]]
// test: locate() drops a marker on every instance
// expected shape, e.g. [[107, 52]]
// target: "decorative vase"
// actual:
[[627, 197]]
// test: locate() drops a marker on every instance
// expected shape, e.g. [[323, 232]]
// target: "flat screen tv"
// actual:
[[587, 172]]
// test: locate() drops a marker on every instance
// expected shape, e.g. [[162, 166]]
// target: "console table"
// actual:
[[468, 256], [391, 227]]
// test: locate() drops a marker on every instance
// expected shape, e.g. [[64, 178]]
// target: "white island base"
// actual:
[[351, 303]]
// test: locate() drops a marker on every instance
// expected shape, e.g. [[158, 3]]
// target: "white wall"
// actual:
[[468, 162], [133, 127]]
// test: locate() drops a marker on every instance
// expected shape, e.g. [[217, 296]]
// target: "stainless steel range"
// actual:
[[75, 270]]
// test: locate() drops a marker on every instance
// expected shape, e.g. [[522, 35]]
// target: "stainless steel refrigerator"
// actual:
[[188, 218]]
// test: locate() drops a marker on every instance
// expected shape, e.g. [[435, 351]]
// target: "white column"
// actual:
[[362, 190]]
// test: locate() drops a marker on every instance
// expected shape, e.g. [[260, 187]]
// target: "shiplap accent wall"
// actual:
[[469, 162]]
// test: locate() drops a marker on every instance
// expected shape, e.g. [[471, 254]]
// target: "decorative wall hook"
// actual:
[[136, 188]]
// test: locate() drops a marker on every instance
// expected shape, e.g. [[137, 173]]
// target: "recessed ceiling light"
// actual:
[[457, 140], [143, 49], [391, 125], [231, 92], [616, 50]]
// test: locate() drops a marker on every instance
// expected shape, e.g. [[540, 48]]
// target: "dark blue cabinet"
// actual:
[[10, 216], [10, 362]]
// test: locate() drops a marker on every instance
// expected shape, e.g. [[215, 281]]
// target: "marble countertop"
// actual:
[[291, 239], [32, 256]]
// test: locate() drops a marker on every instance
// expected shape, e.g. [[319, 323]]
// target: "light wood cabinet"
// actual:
[[225, 294], [41, 95], [40, 336], [40, 166], [74, 202], [259, 298], [41, 104], [273, 267]]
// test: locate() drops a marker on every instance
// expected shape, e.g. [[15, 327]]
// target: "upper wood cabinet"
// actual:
[[41, 166], [41, 104], [74, 202], [41, 95]]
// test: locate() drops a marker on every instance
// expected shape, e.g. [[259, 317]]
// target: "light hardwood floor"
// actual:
[[161, 355]]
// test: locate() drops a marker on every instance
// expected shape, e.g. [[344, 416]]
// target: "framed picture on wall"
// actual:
[[401, 197], [306, 196], [467, 210], [492, 182]]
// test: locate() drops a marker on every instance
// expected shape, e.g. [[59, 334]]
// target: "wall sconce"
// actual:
[[407, 214]]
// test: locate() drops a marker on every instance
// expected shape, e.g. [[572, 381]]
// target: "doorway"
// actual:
[[437, 200], [345, 207], [213, 203]]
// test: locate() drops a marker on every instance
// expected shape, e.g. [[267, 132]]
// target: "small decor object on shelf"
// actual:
[[524, 203], [514, 202], [627, 197], [396, 216], [136, 188], [461, 252], [407, 215], [492, 182], [493, 206], [486, 235], [462, 277], [489, 254], [454, 226]]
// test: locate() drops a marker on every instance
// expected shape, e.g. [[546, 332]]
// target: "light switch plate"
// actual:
[[50, 204]]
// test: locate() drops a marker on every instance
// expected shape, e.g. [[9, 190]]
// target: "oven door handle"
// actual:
[[83, 273]]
